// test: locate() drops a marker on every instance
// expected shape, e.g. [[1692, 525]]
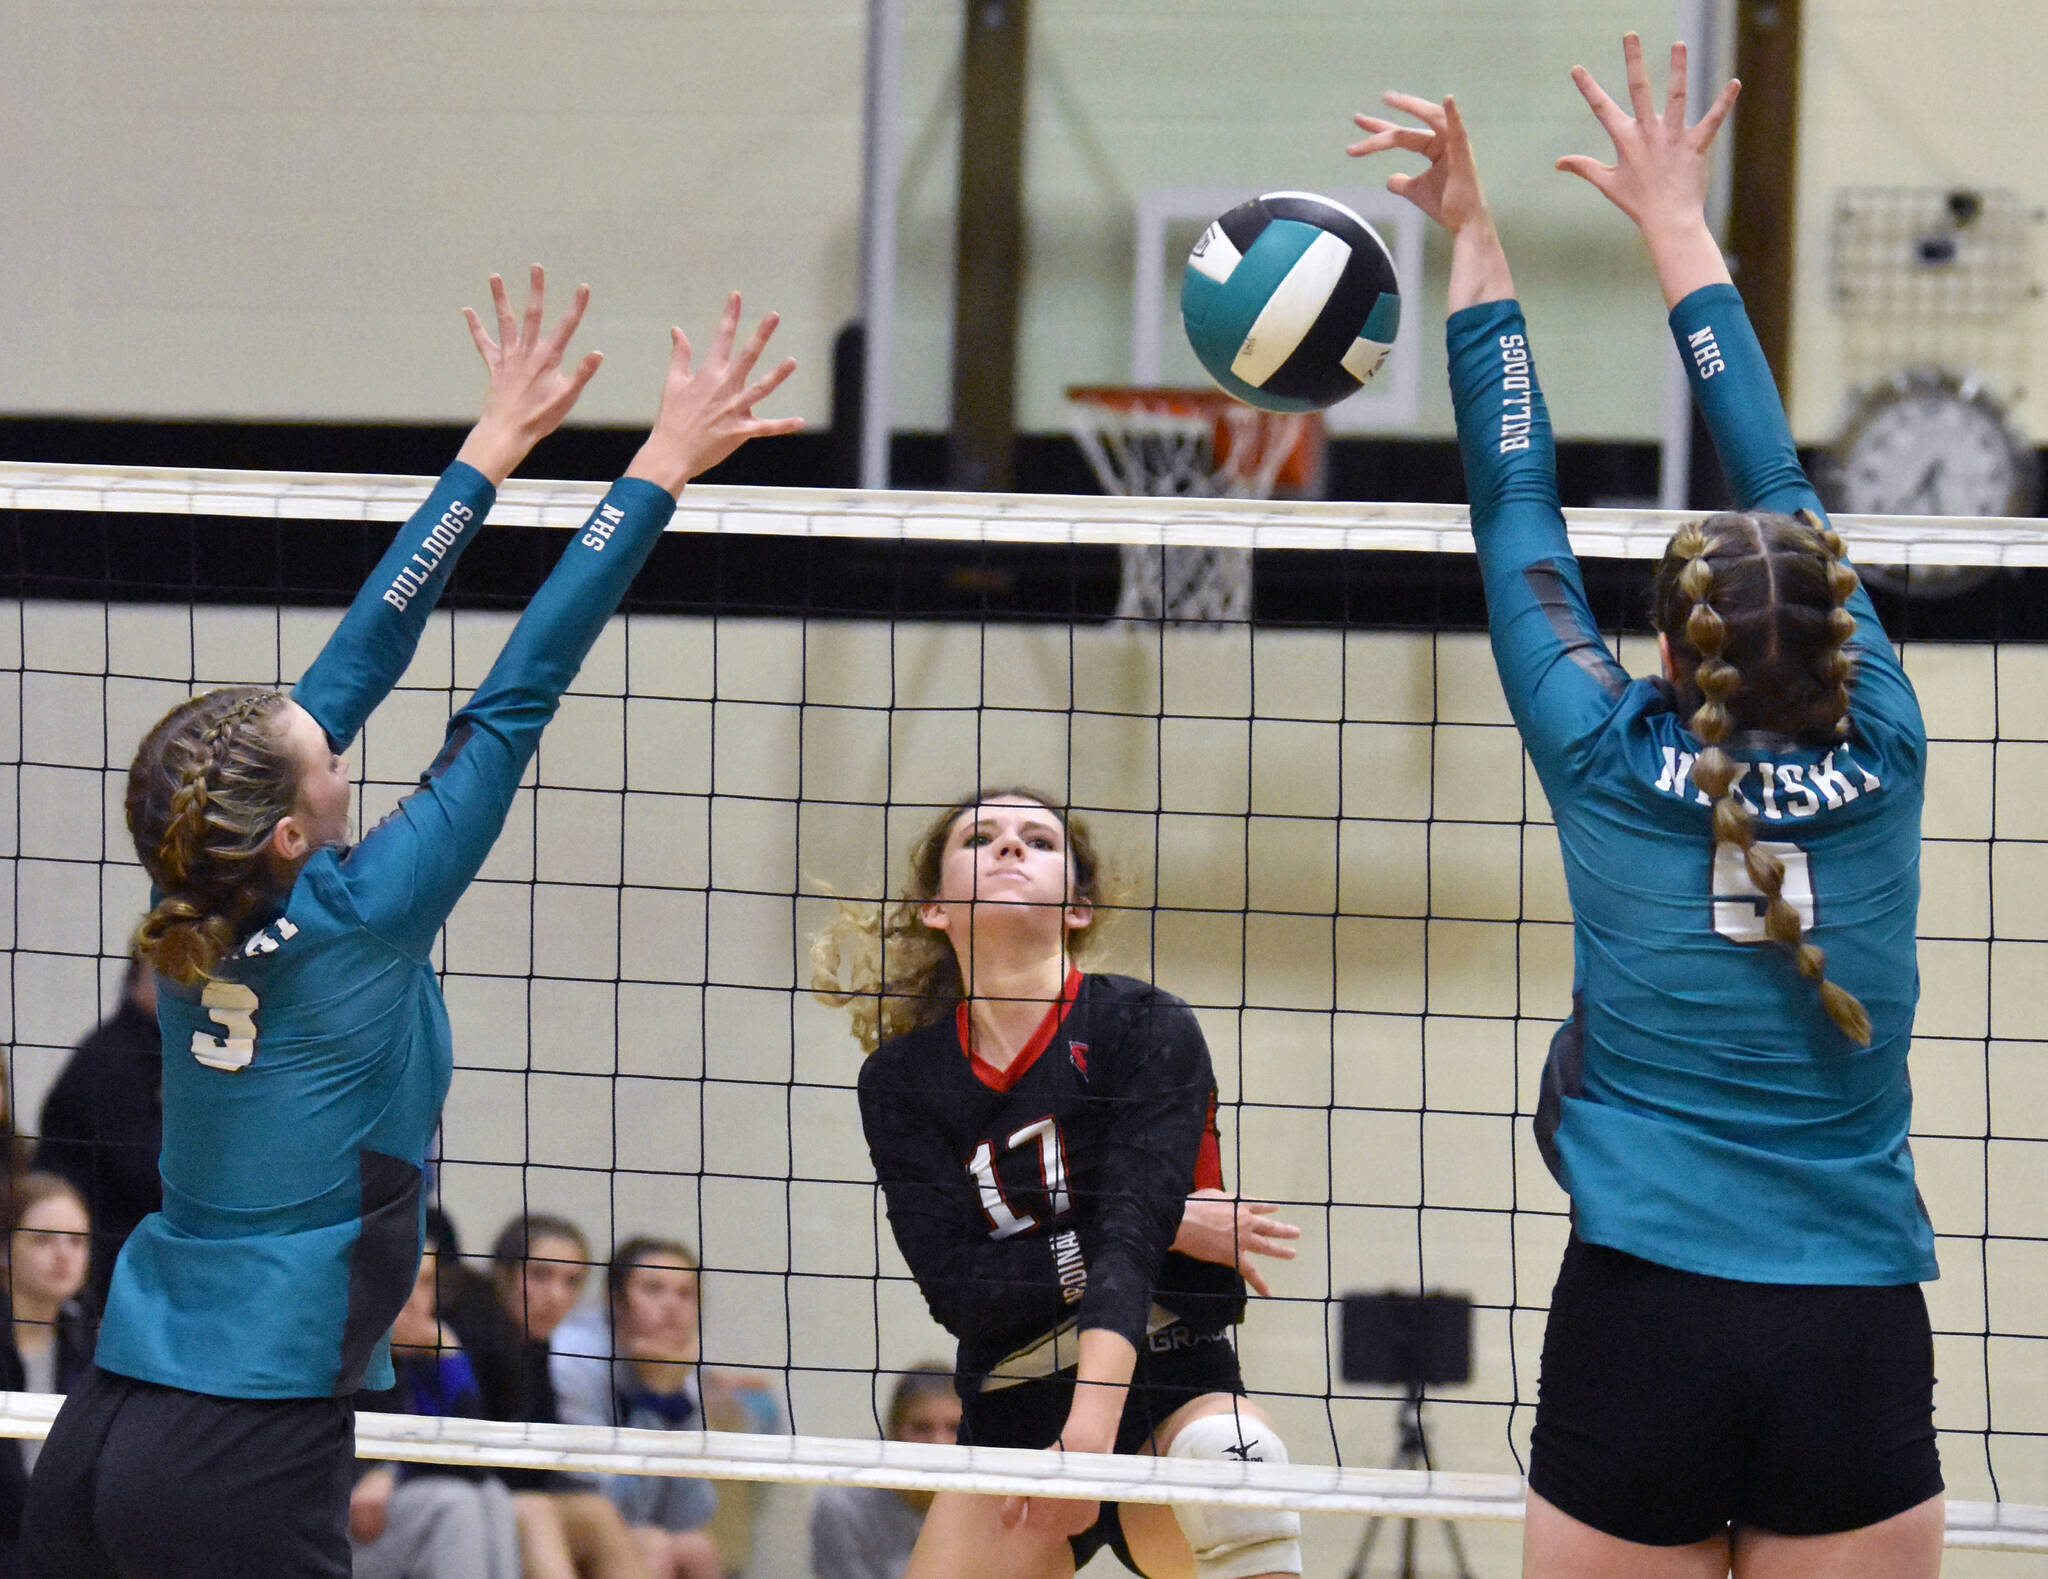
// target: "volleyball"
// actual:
[[1291, 301]]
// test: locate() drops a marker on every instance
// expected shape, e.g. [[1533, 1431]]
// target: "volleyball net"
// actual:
[[1329, 841]]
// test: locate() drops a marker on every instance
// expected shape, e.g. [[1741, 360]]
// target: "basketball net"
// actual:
[[1191, 443]]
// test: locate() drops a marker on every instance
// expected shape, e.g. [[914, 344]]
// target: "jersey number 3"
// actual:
[[1052, 1160], [1739, 904], [233, 1008]]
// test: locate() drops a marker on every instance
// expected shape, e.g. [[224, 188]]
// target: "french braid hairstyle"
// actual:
[[893, 973], [207, 786], [1752, 604]]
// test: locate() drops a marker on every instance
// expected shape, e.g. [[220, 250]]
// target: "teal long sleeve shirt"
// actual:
[[302, 1087], [1700, 1107]]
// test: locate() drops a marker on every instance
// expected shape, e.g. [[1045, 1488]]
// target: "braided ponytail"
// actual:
[[1718, 680], [1832, 666], [207, 786]]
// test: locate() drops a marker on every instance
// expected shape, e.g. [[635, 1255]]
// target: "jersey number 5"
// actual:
[[233, 1008], [1739, 904], [1052, 1161]]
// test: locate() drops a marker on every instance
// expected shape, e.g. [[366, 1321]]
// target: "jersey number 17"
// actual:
[[1052, 1161]]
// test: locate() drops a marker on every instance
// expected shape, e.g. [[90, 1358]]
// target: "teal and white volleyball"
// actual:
[[1290, 301]]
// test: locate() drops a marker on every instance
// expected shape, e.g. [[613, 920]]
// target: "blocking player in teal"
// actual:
[[306, 1046], [1738, 1370]]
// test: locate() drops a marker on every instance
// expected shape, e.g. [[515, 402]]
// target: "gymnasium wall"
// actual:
[[219, 209], [1355, 882], [1896, 92], [224, 209]]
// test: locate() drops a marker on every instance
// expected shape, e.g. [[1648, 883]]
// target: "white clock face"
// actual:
[[1928, 450]]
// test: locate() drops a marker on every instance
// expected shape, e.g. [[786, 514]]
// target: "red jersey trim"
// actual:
[[1003, 1079]]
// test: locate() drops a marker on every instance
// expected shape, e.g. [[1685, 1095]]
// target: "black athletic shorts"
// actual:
[[139, 1481], [1176, 1365], [1672, 1405]]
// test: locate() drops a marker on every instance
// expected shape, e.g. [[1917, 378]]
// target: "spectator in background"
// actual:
[[640, 1370], [538, 1267], [867, 1532], [430, 1521], [52, 1334], [102, 1124]]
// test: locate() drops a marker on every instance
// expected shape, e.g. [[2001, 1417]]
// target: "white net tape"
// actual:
[[996, 1471], [2012, 542]]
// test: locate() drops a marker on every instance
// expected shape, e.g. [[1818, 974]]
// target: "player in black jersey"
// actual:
[[1037, 1134]]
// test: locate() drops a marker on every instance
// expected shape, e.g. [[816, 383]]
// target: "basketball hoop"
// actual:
[[1157, 442], [1165, 443]]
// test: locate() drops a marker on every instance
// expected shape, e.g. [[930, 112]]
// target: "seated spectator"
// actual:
[[103, 1122], [643, 1373], [867, 1532], [52, 1334], [567, 1528], [430, 1521]]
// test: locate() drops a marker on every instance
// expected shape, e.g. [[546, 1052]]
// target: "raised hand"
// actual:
[[1660, 172], [1448, 191], [529, 394], [1229, 1230], [708, 413]]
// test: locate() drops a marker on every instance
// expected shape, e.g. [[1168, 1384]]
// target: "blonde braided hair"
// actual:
[[1783, 583], [207, 786], [890, 971]]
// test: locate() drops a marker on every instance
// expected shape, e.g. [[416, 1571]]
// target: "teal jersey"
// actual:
[[303, 1085], [1700, 1107]]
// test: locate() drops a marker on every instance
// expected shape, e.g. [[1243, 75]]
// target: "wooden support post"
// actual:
[[988, 254], [1763, 195]]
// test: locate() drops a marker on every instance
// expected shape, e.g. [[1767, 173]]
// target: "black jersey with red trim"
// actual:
[[1040, 1200]]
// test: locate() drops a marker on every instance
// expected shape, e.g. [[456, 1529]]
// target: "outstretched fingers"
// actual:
[[1677, 88], [1389, 134], [565, 327], [1587, 168], [763, 387], [586, 370], [501, 303], [757, 342], [536, 298], [1717, 112], [728, 331], [1640, 95], [1604, 109], [1428, 111]]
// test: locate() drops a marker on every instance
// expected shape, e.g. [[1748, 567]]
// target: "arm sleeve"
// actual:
[[1560, 679], [1731, 382], [408, 873], [1161, 1114], [981, 1290], [377, 637]]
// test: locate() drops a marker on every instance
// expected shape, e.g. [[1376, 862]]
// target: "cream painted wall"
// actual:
[[1903, 93], [223, 208], [1354, 880], [219, 208], [226, 208]]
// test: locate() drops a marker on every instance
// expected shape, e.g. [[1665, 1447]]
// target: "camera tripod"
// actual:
[[1411, 1453]]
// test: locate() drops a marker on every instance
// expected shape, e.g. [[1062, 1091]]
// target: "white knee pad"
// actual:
[[1235, 1543]]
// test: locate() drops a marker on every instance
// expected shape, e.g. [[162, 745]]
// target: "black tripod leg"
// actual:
[[1365, 1546], [1464, 1569]]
